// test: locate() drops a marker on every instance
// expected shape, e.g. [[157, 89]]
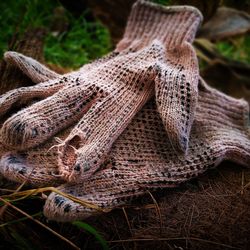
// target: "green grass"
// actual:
[[81, 42], [17, 16], [86, 227], [163, 2], [238, 49]]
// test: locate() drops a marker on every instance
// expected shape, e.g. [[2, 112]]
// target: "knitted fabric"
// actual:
[[156, 53], [142, 158]]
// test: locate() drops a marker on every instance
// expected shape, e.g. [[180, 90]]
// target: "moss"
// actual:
[[84, 41], [81, 42], [236, 49]]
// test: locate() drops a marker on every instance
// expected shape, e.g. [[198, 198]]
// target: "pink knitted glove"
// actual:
[[142, 158], [106, 97]]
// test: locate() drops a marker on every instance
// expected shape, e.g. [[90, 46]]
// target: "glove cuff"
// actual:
[[171, 25], [235, 111], [230, 118]]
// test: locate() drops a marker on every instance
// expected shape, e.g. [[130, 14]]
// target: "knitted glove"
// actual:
[[142, 158], [107, 97]]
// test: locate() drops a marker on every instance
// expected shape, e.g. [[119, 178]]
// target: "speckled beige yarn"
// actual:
[[142, 158], [155, 55]]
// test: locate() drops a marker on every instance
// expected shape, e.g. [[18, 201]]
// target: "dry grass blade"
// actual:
[[242, 182], [7, 190], [18, 220], [3, 209], [173, 239], [40, 223], [24, 194], [126, 216], [157, 210]]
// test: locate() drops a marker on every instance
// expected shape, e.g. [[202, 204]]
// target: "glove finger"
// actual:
[[21, 96], [177, 96], [100, 192], [88, 144], [30, 67], [37, 166], [61, 208], [37, 170], [35, 124]]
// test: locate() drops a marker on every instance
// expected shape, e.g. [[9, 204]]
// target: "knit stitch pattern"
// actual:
[[106, 98]]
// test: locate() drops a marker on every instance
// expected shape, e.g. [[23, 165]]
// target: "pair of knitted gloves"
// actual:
[[139, 119]]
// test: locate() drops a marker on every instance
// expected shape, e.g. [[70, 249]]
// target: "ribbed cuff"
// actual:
[[171, 25], [222, 109]]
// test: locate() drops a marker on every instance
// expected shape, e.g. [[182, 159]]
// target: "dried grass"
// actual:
[[211, 212]]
